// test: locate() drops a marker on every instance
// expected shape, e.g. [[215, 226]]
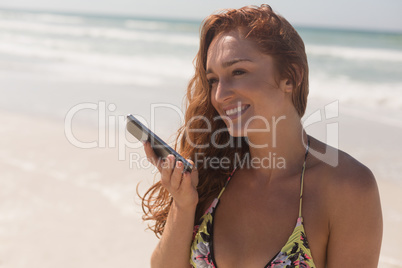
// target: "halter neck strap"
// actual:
[[302, 177]]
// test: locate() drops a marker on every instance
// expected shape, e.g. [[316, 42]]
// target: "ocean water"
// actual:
[[355, 67]]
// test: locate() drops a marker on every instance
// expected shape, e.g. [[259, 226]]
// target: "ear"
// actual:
[[287, 84]]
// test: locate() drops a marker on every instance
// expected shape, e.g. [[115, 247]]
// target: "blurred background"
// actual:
[[71, 70]]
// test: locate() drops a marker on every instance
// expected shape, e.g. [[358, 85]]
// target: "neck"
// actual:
[[280, 152]]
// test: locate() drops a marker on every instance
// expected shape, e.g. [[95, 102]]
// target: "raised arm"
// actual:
[[173, 249], [356, 220]]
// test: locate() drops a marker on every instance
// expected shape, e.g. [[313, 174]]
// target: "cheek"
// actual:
[[212, 98], [255, 87]]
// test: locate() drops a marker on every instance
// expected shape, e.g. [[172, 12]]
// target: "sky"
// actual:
[[351, 14]]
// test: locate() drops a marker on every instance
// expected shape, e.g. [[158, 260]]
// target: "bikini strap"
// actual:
[[302, 177], [227, 181]]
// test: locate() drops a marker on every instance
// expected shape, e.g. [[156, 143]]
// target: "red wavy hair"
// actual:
[[274, 36]]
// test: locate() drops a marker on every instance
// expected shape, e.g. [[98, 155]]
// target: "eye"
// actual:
[[212, 81], [238, 72]]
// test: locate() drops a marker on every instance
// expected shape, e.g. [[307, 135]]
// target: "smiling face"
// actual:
[[245, 90]]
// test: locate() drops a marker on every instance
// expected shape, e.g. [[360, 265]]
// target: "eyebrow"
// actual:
[[229, 63]]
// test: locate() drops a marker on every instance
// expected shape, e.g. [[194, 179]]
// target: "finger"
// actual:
[[177, 175], [167, 169], [152, 157], [194, 174], [186, 183]]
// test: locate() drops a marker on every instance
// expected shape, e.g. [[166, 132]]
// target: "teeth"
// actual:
[[235, 110]]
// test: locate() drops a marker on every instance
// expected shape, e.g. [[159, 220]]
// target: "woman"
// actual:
[[246, 101]]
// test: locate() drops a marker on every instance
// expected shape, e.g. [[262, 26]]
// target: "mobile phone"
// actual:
[[161, 148]]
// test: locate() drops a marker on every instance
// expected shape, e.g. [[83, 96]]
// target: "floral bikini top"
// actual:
[[295, 253]]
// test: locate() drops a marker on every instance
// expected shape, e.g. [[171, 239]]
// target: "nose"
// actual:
[[223, 92]]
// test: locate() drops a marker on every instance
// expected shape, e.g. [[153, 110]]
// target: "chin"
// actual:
[[239, 129]]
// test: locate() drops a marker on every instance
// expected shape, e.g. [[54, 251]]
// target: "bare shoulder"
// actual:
[[351, 176], [350, 186], [341, 171], [353, 207]]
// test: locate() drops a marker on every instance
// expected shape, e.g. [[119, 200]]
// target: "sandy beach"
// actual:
[[63, 206]]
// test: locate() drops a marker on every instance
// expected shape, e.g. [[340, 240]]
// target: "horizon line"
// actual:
[[121, 15]]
